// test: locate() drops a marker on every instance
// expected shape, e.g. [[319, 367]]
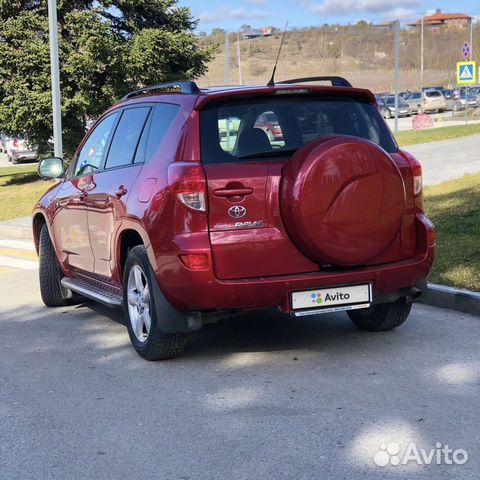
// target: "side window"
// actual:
[[90, 156], [162, 118], [126, 137]]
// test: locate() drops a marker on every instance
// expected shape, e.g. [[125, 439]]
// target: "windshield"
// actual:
[[237, 130]]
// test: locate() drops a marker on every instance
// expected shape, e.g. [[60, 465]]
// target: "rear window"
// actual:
[[264, 127], [433, 94]]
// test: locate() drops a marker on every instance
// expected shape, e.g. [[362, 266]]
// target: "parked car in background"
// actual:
[[18, 150], [426, 101], [451, 100], [387, 107], [468, 97], [268, 122]]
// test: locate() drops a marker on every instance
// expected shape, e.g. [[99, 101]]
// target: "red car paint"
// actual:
[[203, 263]]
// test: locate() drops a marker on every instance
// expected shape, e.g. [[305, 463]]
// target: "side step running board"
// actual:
[[93, 292]]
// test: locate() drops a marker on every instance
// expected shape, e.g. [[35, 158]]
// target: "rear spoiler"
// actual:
[[334, 80]]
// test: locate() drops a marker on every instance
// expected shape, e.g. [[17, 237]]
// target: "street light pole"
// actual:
[[396, 24], [471, 38], [55, 73], [227, 59], [239, 59], [421, 54]]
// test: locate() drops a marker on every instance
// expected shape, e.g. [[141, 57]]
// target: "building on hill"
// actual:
[[439, 19], [257, 33]]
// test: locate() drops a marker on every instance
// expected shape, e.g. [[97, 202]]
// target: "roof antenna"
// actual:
[[271, 82]]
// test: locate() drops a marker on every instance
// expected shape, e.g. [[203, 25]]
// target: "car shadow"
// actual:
[[263, 331]]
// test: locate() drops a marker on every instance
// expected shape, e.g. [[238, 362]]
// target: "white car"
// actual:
[[19, 150]]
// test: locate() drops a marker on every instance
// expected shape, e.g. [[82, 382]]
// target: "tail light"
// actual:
[[417, 179], [188, 183], [15, 142]]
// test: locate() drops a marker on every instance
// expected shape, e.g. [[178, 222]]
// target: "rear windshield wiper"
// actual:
[[270, 153]]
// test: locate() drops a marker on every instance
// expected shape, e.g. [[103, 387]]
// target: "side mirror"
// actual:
[[51, 167]]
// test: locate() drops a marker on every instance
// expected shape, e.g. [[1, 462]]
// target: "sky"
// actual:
[[231, 14]]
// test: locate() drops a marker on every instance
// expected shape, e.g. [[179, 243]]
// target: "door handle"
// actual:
[[121, 191], [233, 192]]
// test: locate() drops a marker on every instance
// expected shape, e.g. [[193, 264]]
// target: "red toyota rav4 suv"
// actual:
[[168, 212]]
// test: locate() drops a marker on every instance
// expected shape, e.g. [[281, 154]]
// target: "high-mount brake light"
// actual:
[[292, 91], [188, 183]]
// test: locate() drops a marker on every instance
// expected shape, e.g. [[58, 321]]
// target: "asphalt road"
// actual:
[[262, 396], [448, 159]]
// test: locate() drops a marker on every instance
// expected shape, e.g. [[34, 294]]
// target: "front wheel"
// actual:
[[140, 312], [381, 317]]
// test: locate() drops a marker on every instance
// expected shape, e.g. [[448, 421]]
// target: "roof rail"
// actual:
[[186, 87], [336, 81]]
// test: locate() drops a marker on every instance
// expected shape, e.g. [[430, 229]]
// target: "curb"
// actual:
[[453, 298], [15, 231]]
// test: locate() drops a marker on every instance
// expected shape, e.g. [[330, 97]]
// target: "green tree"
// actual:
[[107, 48]]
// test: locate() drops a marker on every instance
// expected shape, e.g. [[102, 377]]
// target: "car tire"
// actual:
[[381, 317], [53, 293], [148, 340]]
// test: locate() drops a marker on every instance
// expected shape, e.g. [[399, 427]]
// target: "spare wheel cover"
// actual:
[[342, 200]]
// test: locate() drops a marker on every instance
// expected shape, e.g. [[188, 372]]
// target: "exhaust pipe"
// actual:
[[414, 294]]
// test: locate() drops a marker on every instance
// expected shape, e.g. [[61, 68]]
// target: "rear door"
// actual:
[[244, 218], [110, 188]]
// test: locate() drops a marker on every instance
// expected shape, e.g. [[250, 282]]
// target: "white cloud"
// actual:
[[228, 12], [347, 7]]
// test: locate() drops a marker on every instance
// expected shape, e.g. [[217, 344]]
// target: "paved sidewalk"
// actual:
[[17, 255], [20, 228]]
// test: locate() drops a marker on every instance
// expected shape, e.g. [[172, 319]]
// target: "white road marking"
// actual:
[[17, 263], [18, 244]]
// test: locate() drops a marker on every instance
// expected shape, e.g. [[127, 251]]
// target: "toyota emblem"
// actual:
[[237, 211]]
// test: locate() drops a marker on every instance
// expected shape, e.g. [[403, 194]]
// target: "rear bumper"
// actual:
[[201, 290]]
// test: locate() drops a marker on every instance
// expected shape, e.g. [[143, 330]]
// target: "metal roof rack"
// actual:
[[336, 81], [186, 87]]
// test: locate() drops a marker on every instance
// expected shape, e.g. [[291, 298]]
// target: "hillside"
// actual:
[[362, 53]]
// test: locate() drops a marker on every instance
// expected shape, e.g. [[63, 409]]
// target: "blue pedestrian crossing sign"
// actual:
[[466, 73]]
